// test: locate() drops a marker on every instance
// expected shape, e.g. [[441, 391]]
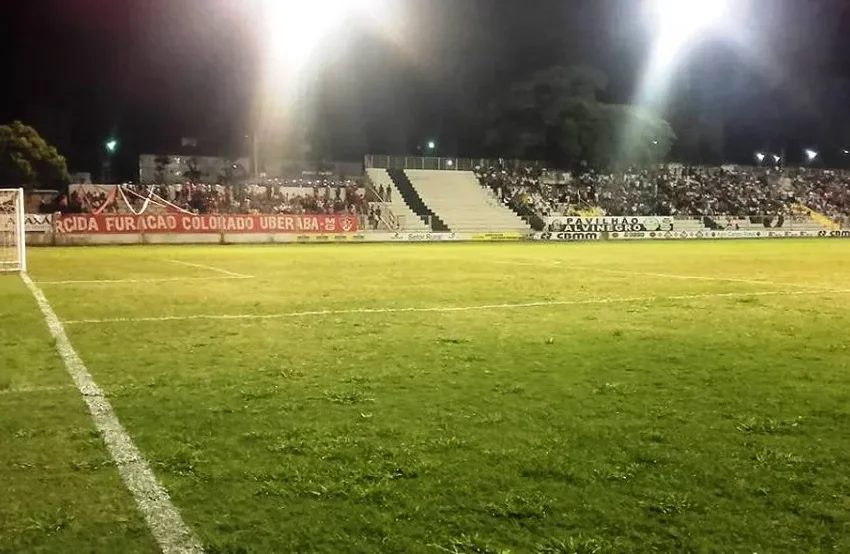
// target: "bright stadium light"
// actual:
[[682, 20], [674, 26], [810, 154], [295, 29], [777, 158], [760, 157], [678, 23]]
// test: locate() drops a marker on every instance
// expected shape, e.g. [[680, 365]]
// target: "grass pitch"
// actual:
[[592, 398]]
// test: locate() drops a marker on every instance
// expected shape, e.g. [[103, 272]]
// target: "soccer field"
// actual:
[[469, 398]]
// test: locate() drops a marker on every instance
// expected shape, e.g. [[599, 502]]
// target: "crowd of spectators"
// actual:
[[297, 196], [674, 190]]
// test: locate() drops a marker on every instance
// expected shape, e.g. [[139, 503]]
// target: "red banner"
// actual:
[[113, 224]]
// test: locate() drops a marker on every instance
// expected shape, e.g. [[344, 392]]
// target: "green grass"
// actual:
[[715, 421]]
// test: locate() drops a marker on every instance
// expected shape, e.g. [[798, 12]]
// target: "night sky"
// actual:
[[153, 71]]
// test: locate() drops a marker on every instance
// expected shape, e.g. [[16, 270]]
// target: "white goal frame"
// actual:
[[20, 234]]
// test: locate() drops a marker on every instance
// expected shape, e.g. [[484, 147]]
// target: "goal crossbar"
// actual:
[[13, 247]]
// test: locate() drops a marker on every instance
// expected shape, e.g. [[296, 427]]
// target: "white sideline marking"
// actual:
[[153, 280], [449, 309], [706, 278], [211, 268], [545, 263], [162, 518]]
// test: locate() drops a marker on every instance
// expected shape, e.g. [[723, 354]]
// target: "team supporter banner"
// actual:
[[568, 224], [34, 223], [113, 224], [567, 237]]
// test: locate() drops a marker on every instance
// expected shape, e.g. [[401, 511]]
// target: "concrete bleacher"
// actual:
[[409, 220], [459, 200]]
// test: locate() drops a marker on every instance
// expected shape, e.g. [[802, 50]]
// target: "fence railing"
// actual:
[[443, 163]]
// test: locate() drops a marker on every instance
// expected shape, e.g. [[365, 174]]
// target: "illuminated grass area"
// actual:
[[651, 397]]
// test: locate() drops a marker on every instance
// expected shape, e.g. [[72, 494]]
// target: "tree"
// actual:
[[27, 160], [556, 116]]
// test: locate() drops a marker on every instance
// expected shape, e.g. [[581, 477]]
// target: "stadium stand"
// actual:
[[286, 197], [496, 198], [711, 192], [462, 203]]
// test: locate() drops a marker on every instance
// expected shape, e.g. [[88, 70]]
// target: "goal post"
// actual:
[[13, 243]]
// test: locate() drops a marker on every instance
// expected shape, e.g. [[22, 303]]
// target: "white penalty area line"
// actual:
[[453, 309], [163, 519], [211, 268]]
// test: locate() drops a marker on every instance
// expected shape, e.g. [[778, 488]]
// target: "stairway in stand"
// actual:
[[462, 203], [412, 199]]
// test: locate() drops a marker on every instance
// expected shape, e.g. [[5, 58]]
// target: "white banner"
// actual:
[[426, 237], [570, 224], [567, 237], [842, 234], [708, 234], [35, 223]]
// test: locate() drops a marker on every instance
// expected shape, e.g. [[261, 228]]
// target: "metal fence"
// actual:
[[444, 164]]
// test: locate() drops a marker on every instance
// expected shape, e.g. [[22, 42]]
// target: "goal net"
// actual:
[[12, 233]]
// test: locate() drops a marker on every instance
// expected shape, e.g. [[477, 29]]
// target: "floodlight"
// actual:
[[111, 146], [685, 19], [777, 158], [811, 154], [846, 151], [450, 163], [675, 25], [431, 145], [296, 28], [760, 157]]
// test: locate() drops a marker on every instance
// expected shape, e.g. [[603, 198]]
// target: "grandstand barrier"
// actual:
[[571, 236], [87, 229]]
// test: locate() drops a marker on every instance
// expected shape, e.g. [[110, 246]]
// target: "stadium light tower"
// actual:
[[811, 155], [294, 34]]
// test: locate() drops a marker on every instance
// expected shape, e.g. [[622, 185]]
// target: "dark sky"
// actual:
[[153, 71]]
